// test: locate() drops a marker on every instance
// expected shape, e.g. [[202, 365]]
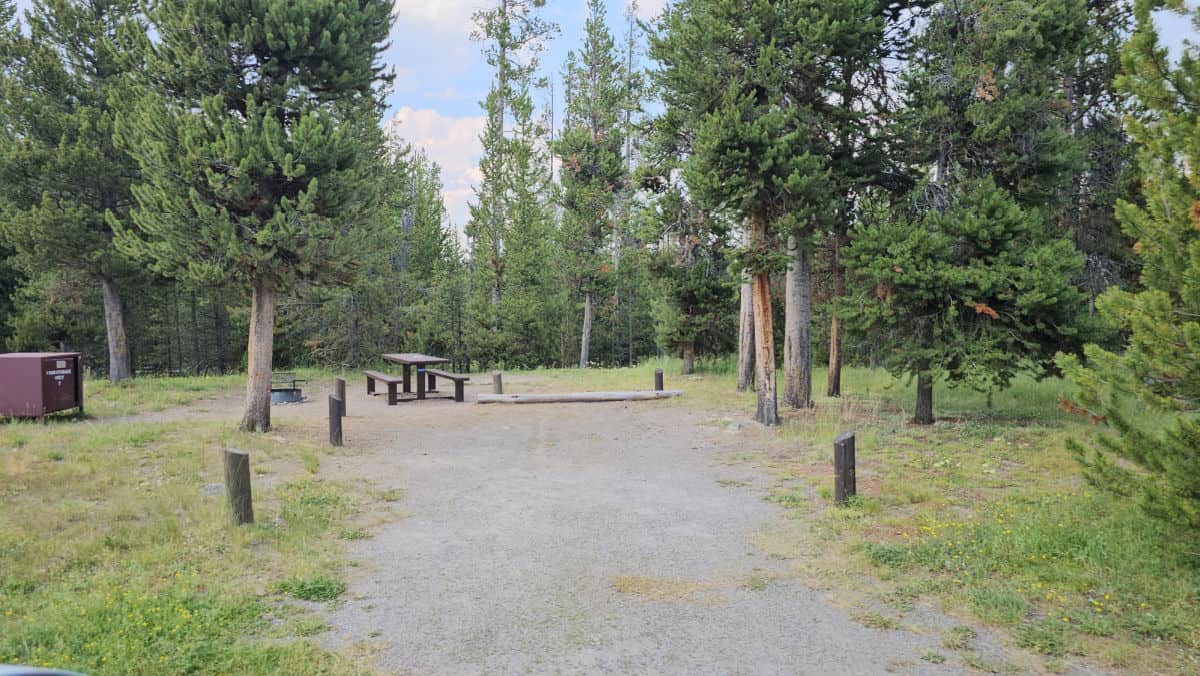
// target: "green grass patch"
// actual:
[[876, 620], [319, 588], [113, 560], [998, 606], [103, 399], [933, 657], [959, 638]]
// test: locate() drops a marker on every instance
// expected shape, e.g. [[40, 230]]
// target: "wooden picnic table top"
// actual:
[[414, 359]]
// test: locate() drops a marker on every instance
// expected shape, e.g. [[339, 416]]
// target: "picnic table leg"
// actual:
[[432, 386], [420, 383], [458, 390], [407, 378], [370, 385], [392, 399]]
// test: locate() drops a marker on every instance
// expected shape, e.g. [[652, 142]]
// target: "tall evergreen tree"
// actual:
[[1160, 367], [968, 275], [258, 140], [1096, 120], [737, 78], [533, 304], [513, 35], [693, 306], [593, 169], [59, 170]]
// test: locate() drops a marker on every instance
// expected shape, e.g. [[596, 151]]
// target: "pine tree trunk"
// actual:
[[585, 342], [834, 386], [219, 330], [689, 359], [257, 416], [924, 413], [767, 412], [797, 345], [114, 324], [196, 359], [746, 333]]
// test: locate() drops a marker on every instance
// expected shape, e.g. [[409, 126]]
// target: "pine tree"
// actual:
[[511, 184], [873, 34], [968, 276], [258, 140], [1159, 371], [692, 308], [593, 168], [743, 84], [1096, 119], [9, 35], [534, 300], [60, 173]]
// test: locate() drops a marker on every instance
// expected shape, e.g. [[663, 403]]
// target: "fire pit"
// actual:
[[285, 388]]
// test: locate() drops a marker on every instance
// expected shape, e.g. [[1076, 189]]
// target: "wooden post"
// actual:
[[421, 382], [497, 383], [339, 388], [658, 380], [335, 420], [844, 484], [237, 485]]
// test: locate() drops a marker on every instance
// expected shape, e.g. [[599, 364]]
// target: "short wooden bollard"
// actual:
[[658, 380], [339, 389], [335, 420], [237, 485], [844, 483], [497, 383]]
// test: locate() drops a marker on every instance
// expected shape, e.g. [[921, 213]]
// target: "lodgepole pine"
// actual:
[[62, 181], [1149, 392], [257, 134]]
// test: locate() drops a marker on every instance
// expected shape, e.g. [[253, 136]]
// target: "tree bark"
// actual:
[[797, 345], [257, 415], [585, 342], [114, 324], [767, 411], [924, 413], [746, 332], [196, 359], [834, 385], [689, 359]]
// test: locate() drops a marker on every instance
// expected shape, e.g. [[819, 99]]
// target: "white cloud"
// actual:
[[452, 142], [647, 9], [441, 13]]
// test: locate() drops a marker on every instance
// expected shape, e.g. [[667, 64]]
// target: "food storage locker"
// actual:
[[33, 384]]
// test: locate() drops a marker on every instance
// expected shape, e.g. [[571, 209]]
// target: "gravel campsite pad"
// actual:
[[585, 538]]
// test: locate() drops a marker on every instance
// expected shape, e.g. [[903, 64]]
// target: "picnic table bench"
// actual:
[[390, 381], [433, 374]]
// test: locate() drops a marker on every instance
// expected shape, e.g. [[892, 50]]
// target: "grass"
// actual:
[[319, 588], [986, 514], [103, 399], [113, 560], [877, 620]]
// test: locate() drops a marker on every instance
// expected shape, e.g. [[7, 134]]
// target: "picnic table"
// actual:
[[426, 377], [410, 359]]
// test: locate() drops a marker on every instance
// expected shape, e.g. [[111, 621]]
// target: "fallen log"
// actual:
[[574, 397]]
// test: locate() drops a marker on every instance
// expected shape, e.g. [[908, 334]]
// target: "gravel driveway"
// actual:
[[584, 539]]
